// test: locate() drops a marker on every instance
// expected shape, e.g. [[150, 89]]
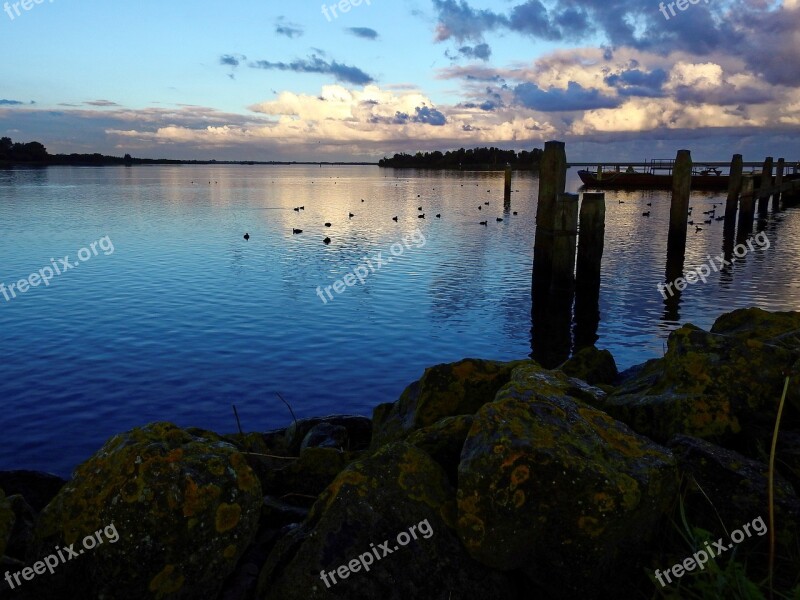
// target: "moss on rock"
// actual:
[[554, 487], [444, 390], [179, 499]]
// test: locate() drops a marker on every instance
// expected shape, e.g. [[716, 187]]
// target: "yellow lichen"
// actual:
[[228, 516], [166, 582]]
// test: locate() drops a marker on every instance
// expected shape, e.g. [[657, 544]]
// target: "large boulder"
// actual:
[[595, 367], [549, 485], [354, 530], [445, 390], [184, 506], [725, 490], [709, 385]]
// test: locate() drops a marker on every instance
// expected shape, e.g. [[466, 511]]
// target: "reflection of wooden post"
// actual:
[[747, 207], [566, 231], [679, 211], [765, 187], [734, 188], [552, 182], [776, 197]]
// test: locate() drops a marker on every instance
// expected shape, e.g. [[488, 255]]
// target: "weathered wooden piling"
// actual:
[[564, 240], [591, 240], [552, 183], [747, 207], [591, 243], [765, 189], [679, 211], [507, 187], [776, 197], [734, 189]]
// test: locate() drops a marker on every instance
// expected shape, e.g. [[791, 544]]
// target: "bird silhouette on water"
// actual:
[[327, 224], [246, 236], [326, 241], [297, 231], [394, 219]]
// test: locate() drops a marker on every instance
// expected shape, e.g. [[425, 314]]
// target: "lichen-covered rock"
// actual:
[[184, 503], [443, 442], [7, 521], [708, 385], [445, 390], [726, 490], [777, 328], [592, 366], [558, 489], [370, 502]]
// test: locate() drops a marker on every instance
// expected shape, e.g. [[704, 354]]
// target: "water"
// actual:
[[185, 317]]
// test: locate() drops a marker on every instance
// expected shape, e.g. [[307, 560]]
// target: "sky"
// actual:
[[307, 81]]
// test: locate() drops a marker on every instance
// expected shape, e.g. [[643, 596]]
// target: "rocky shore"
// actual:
[[484, 480]]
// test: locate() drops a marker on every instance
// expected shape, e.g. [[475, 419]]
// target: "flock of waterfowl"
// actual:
[[712, 214], [327, 240]]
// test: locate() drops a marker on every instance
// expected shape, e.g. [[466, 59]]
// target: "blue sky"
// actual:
[[267, 80]]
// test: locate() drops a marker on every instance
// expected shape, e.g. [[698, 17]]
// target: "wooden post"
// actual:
[[765, 187], [776, 197], [747, 207], [566, 231], [552, 183], [507, 188], [734, 189], [591, 241], [679, 211]]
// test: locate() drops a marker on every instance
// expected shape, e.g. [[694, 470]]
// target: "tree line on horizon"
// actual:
[[474, 158]]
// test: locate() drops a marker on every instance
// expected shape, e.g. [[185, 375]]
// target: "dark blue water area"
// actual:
[[185, 318]]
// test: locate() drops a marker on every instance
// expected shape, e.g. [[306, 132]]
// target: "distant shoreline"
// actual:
[[57, 161]]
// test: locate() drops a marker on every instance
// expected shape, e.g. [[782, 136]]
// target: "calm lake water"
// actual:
[[185, 317]]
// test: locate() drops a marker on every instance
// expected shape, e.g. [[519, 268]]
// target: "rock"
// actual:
[[7, 521], [184, 504], [445, 390], [370, 503], [724, 485], [592, 366], [558, 489], [21, 538], [326, 435], [36, 487], [443, 442], [776, 328], [707, 385], [302, 480], [359, 431]]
